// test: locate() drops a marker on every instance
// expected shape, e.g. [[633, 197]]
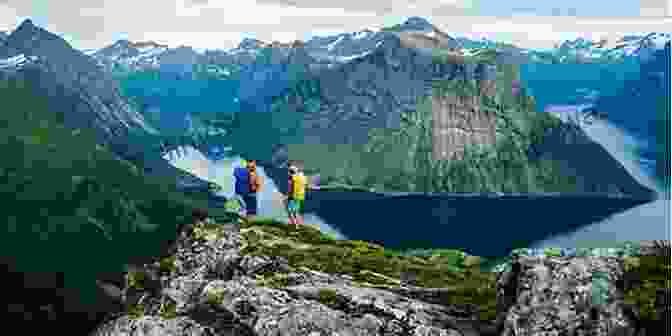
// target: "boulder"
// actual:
[[213, 287], [542, 295]]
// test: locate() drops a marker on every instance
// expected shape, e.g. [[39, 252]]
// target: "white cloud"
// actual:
[[251, 12], [543, 32], [222, 24], [9, 18]]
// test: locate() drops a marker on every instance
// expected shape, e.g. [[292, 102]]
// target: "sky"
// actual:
[[217, 24]]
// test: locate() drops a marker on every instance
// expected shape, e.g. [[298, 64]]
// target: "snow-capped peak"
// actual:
[[16, 61], [129, 54]]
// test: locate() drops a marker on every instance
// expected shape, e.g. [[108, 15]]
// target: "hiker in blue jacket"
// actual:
[[248, 184], [241, 181]]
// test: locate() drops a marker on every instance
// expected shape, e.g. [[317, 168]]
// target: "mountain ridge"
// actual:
[[86, 96], [417, 31], [46, 58]]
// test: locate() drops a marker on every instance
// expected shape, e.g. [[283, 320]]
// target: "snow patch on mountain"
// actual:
[[362, 34], [13, 61], [16, 62], [332, 45]]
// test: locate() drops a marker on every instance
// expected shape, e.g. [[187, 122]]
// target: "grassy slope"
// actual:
[[70, 205]]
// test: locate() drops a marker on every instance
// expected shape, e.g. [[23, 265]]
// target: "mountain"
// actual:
[[89, 95], [588, 51], [648, 93], [355, 82], [325, 51], [134, 55], [67, 192], [337, 89], [86, 96], [415, 32], [580, 50]]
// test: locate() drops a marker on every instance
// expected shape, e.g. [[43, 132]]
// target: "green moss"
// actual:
[[327, 296], [136, 279], [167, 264], [207, 231], [645, 275], [372, 264], [275, 280], [168, 310], [215, 296], [136, 311]]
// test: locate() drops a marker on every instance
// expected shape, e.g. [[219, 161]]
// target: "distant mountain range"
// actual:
[[341, 48]]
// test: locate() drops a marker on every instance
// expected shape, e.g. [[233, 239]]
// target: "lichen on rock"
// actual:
[[268, 278]]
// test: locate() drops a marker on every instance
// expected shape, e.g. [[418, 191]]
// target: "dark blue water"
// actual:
[[481, 225]]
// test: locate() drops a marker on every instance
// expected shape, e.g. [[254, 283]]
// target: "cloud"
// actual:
[[654, 8], [221, 24], [543, 32], [602, 8]]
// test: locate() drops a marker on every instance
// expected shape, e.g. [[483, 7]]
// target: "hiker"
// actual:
[[296, 194], [248, 185], [241, 182]]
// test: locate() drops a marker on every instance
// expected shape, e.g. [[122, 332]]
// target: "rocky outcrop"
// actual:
[[550, 295], [581, 294], [213, 284]]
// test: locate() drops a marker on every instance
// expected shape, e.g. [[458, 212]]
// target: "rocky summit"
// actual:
[[266, 278]]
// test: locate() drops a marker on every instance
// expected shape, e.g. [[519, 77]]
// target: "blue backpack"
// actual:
[[242, 177]]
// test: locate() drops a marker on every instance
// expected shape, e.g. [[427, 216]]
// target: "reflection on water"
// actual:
[[221, 172], [645, 222]]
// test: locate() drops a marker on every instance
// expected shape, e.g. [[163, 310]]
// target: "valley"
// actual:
[[117, 213]]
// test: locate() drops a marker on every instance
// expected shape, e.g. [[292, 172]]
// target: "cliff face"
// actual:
[[459, 121]]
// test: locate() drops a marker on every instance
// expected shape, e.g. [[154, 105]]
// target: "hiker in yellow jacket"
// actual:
[[296, 195]]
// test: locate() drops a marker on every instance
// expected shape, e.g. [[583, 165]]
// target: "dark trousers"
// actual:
[[250, 203]]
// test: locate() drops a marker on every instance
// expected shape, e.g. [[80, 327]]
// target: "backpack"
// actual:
[[254, 181], [242, 180], [299, 182]]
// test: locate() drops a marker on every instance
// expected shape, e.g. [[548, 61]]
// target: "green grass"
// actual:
[[369, 264]]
